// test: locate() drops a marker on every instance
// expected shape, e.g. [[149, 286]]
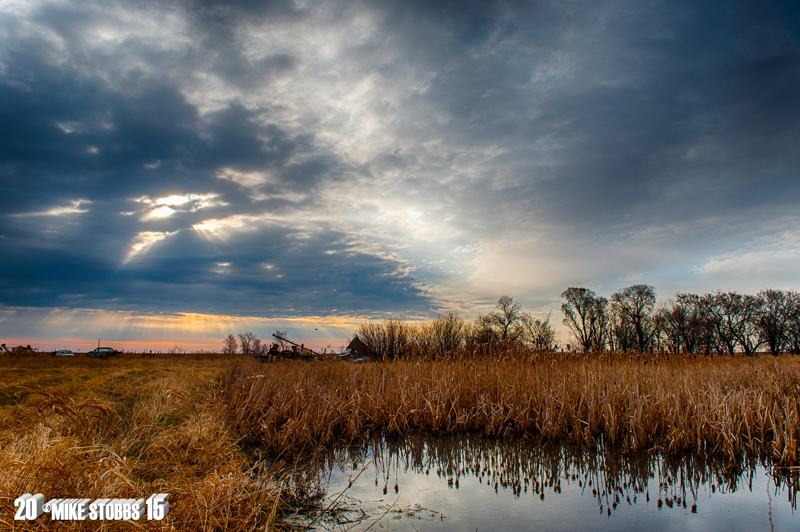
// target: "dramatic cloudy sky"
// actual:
[[182, 170]]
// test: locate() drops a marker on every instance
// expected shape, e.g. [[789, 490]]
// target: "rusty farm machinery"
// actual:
[[20, 350], [286, 349]]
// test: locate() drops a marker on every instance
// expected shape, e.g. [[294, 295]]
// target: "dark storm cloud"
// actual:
[[617, 118], [266, 273], [645, 85], [63, 138], [340, 156]]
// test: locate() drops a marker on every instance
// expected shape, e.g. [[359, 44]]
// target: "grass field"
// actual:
[[127, 428], [199, 427], [723, 405]]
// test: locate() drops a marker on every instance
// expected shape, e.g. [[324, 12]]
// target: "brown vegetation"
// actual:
[[726, 406], [128, 428], [509, 324]]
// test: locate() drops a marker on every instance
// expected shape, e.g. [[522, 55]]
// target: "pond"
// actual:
[[471, 483]]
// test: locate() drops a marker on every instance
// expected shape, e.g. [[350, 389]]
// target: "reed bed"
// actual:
[[128, 428], [724, 406]]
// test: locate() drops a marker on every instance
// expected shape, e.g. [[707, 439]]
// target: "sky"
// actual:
[[173, 172]]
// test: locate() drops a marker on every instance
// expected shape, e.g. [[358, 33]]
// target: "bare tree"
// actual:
[[284, 345], [257, 347], [230, 346], [793, 330], [446, 333], [749, 336], [671, 333], [508, 319], [774, 318], [541, 335], [709, 336], [684, 320], [388, 339], [503, 325], [482, 330], [246, 340], [635, 305], [586, 316], [729, 314], [622, 333]]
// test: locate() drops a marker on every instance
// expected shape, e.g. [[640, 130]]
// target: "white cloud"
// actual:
[[75, 207], [751, 262], [169, 205], [222, 268], [245, 179], [172, 200], [161, 212], [144, 241], [70, 127], [221, 227]]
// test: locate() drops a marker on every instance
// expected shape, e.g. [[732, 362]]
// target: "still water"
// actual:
[[468, 483]]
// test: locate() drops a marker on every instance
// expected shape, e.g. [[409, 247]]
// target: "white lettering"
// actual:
[[160, 506], [22, 503], [82, 509], [73, 509], [102, 508], [137, 509], [150, 506], [33, 506], [58, 509]]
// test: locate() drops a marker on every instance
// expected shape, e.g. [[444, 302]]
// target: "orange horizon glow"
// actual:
[[82, 345], [80, 329]]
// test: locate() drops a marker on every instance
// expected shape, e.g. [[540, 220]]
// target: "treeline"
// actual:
[[631, 319], [716, 322], [248, 344], [507, 324]]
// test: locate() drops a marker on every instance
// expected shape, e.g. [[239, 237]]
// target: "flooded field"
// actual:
[[472, 483]]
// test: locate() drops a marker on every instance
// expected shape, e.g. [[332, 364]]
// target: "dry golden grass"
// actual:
[[725, 406], [128, 428]]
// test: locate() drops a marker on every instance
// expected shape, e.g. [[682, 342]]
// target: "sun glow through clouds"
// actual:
[[169, 205], [161, 212], [144, 241], [389, 158], [173, 200]]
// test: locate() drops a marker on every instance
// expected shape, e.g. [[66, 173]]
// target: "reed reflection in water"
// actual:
[[468, 482]]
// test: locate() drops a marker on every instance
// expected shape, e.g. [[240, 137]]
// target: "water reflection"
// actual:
[[465, 481]]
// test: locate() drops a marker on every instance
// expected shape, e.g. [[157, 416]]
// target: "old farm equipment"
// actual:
[[20, 350], [295, 352]]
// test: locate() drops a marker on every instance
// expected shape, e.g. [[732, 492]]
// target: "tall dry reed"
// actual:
[[128, 428], [724, 406]]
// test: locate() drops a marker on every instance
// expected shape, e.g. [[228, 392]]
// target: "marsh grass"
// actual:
[[720, 406], [198, 427], [127, 428]]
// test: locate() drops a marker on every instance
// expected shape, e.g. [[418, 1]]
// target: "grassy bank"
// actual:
[[723, 406], [128, 428]]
